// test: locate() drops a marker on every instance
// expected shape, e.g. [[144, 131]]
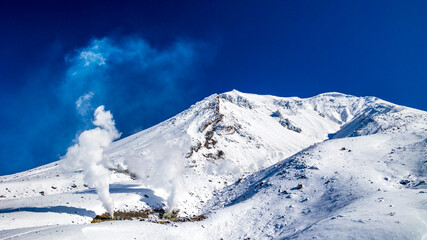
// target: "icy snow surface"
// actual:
[[333, 166]]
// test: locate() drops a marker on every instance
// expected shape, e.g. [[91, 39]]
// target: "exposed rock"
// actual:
[[289, 125]]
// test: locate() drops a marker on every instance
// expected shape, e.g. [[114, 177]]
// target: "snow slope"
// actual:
[[223, 157]]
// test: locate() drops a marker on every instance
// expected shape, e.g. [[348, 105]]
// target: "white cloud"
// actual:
[[90, 57]]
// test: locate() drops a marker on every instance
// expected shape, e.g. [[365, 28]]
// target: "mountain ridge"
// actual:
[[235, 151]]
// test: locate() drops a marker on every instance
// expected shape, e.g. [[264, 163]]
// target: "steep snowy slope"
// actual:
[[224, 157], [368, 187]]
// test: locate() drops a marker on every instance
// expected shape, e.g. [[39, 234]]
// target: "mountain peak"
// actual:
[[293, 153], [334, 94]]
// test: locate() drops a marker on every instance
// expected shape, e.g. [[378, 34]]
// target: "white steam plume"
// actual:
[[161, 167], [88, 154], [83, 103]]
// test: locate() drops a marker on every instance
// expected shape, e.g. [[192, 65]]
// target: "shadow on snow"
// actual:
[[56, 209], [147, 195]]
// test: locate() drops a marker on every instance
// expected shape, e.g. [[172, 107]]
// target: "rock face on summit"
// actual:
[[261, 167]]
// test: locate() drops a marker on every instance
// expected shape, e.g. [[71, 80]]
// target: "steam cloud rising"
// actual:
[[141, 83], [88, 154], [137, 81], [161, 167]]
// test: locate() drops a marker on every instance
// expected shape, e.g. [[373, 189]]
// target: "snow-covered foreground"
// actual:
[[261, 167]]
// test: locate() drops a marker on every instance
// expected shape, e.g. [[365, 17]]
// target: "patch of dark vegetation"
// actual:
[[123, 215], [180, 219], [151, 215], [102, 218]]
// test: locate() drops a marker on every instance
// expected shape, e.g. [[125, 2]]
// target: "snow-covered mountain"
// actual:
[[329, 166]]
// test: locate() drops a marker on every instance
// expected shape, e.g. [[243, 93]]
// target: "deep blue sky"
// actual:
[[165, 55]]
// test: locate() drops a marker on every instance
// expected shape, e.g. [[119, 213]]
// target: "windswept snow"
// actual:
[[260, 167]]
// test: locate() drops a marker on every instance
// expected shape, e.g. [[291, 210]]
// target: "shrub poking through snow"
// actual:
[[172, 215], [155, 216], [122, 215]]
